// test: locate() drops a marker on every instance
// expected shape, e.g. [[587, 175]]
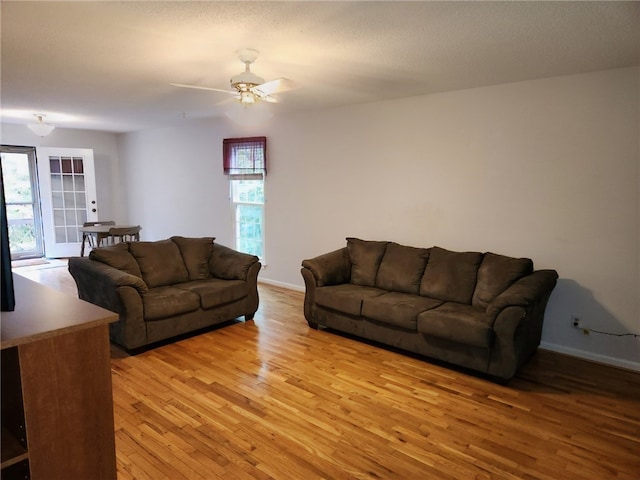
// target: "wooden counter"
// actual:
[[57, 408]]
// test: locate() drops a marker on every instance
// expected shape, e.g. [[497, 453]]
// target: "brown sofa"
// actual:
[[480, 311], [169, 287]]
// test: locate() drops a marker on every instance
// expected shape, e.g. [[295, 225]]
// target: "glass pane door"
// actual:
[[68, 197], [68, 193]]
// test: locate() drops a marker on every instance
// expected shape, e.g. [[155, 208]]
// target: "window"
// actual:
[[247, 199], [245, 162], [22, 201]]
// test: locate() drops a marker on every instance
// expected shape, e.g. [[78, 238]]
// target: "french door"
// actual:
[[66, 177]]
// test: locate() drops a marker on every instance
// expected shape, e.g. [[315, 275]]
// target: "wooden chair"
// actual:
[[125, 234], [89, 238]]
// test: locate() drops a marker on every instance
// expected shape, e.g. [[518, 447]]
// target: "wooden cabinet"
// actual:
[[57, 407]]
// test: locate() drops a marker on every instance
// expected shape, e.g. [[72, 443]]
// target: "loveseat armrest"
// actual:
[[332, 268], [94, 279], [115, 290], [229, 264]]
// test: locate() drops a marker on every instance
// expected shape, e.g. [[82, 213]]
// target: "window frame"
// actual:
[[251, 167]]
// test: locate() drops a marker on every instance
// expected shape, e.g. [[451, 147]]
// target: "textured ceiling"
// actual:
[[107, 65]]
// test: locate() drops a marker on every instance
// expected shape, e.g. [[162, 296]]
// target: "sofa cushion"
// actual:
[[450, 276], [214, 292], [397, 309], [402, 268], [195, 254], [496, 274], [345, 298], [117, 256], [160, 262], [164, 302], [365, 256], [458, 323]]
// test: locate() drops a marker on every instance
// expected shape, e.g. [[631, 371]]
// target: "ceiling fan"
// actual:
[[247, 87]]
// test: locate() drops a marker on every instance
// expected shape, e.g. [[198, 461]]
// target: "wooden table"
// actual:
[[57, 407], [99, 233]]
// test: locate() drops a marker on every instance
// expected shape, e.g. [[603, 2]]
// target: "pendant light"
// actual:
[[41, 128]]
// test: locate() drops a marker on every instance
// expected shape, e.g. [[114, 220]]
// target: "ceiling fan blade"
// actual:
[[197, 87], [278, 85], [227, 101], [270, 99]]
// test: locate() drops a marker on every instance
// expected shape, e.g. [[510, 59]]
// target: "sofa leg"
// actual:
[[248, 317]]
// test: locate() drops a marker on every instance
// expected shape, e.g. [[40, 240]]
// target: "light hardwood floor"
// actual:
[[274, 399]]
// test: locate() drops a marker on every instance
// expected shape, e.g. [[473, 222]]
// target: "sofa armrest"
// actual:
[[229, 264], [517, 315], [524, 292], [332, 268]]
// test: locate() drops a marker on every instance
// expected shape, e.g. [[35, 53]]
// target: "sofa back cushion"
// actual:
[[451, 276], [496, 274], [365, 259], [195, 254], [402, 268], [117, 256], [160, 262]]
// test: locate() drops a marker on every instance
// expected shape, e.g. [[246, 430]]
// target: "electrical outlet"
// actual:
[[575, 321]]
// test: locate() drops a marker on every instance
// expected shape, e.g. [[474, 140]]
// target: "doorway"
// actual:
[[24, 216]]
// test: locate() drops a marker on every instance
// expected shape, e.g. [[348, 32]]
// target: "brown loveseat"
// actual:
[[481, 311], [169, 287]]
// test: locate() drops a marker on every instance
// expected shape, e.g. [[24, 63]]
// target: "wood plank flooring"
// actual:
[[274, 399]]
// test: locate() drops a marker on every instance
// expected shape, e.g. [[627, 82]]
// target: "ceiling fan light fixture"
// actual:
[[41, 128], [248, 98], [247, 88], [247, 115]]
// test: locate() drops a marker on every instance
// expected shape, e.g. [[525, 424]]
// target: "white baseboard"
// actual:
[[275, 283], [594, 357]]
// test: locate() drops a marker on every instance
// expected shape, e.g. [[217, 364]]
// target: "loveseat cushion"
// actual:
[[160, 262], [195, 254], [397, 309], [365, 256], [402, 268], [214, 292], [164, 302], [458, 323], [496, 274], [450, 276], [345, 298]]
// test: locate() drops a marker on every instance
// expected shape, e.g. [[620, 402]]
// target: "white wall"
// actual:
[[175, 183], [111, 198], [548, 169]]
